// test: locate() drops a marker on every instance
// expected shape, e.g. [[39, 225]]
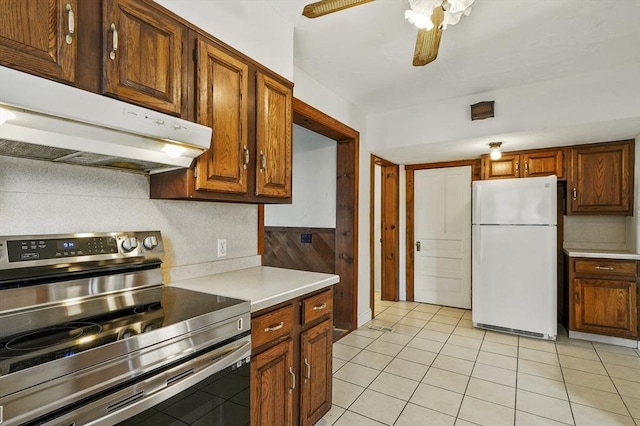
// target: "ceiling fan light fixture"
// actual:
[[324, 7], [457, 6], [418, 19], [422, 11]]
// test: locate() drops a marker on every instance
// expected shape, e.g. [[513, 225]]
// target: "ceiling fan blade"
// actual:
[[324, 7], [428, 41]]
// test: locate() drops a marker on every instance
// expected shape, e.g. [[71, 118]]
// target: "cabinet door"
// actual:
[[605, 307], [274, 121], [315, 365], [505, 168], [144, 59], [272, 385], [221, 103], [601, 179], [543, 163], [38, 36]]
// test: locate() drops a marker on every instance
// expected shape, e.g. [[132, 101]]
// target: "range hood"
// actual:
[[45, 120]]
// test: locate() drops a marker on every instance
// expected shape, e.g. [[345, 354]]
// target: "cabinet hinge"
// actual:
[[195, 172], [195, 54]]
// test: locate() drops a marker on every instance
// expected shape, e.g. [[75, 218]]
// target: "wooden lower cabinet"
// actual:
[[292, 352], [603, 296], [272, 385], [316, 361], [605, 307]]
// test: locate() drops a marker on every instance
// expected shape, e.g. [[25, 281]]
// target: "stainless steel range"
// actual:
[[89, 335]]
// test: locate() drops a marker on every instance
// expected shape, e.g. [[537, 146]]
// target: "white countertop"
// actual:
[[264, 286], [603, 254]]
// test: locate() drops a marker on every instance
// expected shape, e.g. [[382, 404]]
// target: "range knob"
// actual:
[[150, 242], [129, 244]]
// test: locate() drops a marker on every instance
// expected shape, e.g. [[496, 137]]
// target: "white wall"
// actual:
[[252, 28], [38, 197], [594, 97], [314, 184], [313, 93]]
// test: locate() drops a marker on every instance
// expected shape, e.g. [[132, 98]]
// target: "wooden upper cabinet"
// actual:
[[38, 37], [274, 126], [145, 62], [508, 166], [601, 179], [543, 162], [221, 103]]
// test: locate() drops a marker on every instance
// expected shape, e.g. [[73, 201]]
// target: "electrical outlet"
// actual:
[[222, 247]]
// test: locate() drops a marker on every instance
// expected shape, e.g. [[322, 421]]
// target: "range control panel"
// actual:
[[22, 250], [50, 249]]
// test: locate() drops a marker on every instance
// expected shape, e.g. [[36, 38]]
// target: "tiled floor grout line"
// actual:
[[612, 381], [457, 326]]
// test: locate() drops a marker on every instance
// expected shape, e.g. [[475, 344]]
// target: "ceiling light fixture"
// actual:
[[495, 152], [421, 12]]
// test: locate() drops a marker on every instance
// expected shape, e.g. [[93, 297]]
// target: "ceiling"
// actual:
[[364, 54]]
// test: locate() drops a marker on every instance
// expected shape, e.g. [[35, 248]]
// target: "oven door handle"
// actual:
[[213, 358], [145, 394]]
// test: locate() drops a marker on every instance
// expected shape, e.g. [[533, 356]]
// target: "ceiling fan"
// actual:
[[430, 16]]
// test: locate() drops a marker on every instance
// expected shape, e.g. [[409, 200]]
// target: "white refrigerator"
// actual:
[[513, 265]]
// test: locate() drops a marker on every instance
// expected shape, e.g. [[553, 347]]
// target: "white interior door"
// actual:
[[442, 236]]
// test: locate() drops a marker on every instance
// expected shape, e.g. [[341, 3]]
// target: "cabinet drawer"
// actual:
[[607, 267], [317, 306], [271, 326]]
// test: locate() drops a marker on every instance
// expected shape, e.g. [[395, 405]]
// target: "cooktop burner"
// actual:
[[20, 348], [51, 336]]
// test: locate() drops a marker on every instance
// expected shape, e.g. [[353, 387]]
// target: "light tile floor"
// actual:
[[434, 368]]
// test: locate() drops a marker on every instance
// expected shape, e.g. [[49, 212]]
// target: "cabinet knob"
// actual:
[[274, 328], [575, 193], [320, 307], [263, 161], [71, 24], [308, 375], [293, 380], [604, 268], [114, 41]]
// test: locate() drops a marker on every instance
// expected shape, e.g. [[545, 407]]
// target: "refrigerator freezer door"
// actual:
[[528, 201], [514, 278]]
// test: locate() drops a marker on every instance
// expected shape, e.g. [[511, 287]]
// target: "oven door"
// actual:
[[210, 389]]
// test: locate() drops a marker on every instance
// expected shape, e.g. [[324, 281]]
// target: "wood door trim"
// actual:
[[390, 221], [348, 139], [410, 218], [372, 247]]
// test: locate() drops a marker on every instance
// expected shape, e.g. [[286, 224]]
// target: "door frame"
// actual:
[[390, 232], [345, 293], [410, 222]]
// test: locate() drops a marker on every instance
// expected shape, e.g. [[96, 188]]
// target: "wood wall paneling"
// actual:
[[390, 220], [283, 248]]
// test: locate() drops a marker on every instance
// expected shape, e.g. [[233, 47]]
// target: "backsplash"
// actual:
[[595, 232], [38, 197]]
